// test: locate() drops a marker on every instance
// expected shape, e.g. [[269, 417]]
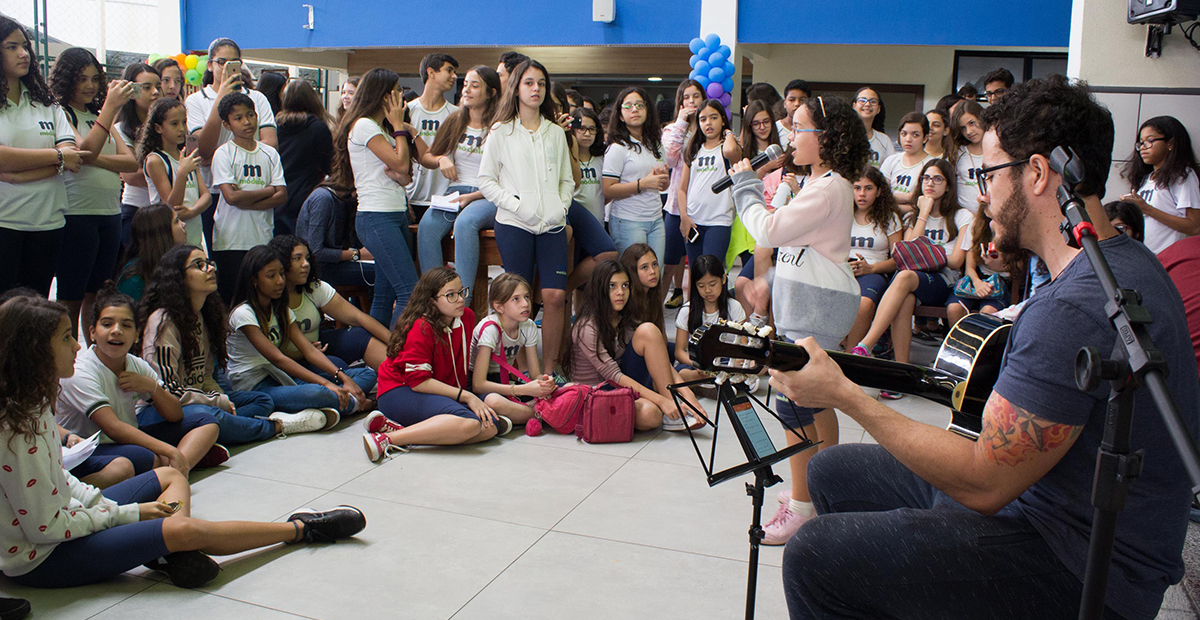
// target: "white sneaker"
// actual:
[[332, 417], [676, 425], [305, 421]]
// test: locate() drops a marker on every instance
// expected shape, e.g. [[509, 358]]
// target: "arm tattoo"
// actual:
[[1011, 434]]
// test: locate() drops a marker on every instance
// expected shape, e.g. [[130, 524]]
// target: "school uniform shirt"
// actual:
[[872, 242], [93, 387], [190, 380], [45, 504], [964, 173], [903, 178], [467, 156], [704, 207], [132, 195], [93, 190], [881, 147], [426, 355], [191, 194], [732, 308], [427, 183], [247, 367], [783, 132], [527, 175], [376, 192], [937, 232], [40, 205], [200, 104], [489, 334], [1174, 199], [308, 314], [627, 164], [235, 228], [590, 194]]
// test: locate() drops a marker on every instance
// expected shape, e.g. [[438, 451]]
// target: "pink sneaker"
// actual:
[[858, 350], [784, 497], [890, 395], [376, 422], [780, 530]]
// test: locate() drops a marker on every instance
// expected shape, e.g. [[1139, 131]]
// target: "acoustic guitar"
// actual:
[[961, 378]]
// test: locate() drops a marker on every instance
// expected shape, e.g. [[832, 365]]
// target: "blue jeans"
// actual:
[[293, 398], [466, 224], [244, 427], [363, 377], [345, 344], [629, 232], [386, 235], [713, 240]]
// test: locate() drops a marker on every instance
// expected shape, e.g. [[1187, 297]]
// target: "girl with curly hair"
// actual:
[[877, 227], [33, 196], [815, 293], [92, 234], [173, 178]]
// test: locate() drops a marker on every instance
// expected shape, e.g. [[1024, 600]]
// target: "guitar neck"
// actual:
[[887, 375]]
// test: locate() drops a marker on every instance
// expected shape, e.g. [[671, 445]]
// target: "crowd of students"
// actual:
[[227, 223]]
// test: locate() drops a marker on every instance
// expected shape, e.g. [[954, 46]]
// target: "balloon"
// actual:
[[202, 61], [693, 60], [702, 67], [190, 61], [712, 41], [704, 53], [725, 100], [703, 80], [714, 90], [725, 51], [180, 58], [727, 85], [153, 59], [193, 77], [729, 68], [715, 59], [696, 44], [716, 74]]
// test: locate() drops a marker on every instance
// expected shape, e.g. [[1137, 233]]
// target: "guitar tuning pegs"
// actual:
[[764, 331], [721, 378], [733, 324]]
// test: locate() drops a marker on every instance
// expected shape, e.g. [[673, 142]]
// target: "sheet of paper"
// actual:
[[448, 202], [78, 453]]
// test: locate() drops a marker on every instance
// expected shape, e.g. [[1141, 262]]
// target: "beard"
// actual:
[[1012, 213]]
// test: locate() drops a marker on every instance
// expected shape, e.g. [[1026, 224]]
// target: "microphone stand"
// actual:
[[1135, 362]]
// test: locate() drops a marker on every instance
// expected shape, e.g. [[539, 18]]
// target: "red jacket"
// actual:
[[425, 356]]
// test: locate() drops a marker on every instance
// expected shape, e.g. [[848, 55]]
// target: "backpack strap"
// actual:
[[71, 115], [167, 162], [506, 369]]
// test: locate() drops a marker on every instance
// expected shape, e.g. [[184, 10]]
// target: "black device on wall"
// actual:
[[1162, 11]]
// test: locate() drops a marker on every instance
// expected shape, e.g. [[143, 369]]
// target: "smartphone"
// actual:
[[694, 235], [576, 124], [234, 67], [175, 506], [139, 88]]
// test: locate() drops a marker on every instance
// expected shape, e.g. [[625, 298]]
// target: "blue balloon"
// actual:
[[693, 60], [703, 80], [693, 74], [725, 51], [727, 85], [729, 70], [712, 41], [702, 67], [704, 53], [716, 74], [716, 59], [696, 44]]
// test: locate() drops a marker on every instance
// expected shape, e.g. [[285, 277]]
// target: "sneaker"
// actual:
[[304, 421], [14, 608], [376, 422], [332, 417], [216, 455], [330, 525], [504, 425], [675, 425], [676, 300], [186, 569], [782, 528], [694, 423], [379, 446], [784, 497], [890, 395], [860, 350]]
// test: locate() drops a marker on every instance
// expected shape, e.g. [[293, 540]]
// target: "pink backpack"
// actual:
[[561, 410], [607, 415]]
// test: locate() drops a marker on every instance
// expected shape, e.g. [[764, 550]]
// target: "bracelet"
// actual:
[[921, 219], [62, 162], [402, 132], [456, 398], [639, 186], [512, 392], [97, 123]]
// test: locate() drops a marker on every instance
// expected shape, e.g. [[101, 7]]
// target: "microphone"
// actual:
[[773, 152]]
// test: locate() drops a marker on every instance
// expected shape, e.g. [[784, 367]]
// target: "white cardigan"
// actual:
[[527, 175]]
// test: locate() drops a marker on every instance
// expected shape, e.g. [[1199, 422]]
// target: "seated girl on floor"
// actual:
[[710, 291]]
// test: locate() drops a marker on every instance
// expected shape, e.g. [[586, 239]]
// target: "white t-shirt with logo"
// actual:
[[248, 367], [235, 228], [903, 178], [93, 387], [704, 207], [733, 309], [871, 242], [626, 165], [426, 182], [936, 231], [488, 333], [881, 148], [376, 192], [783, 134], [200, 104], [93, 190], [29, 125], [1174, 199], [467, 156], [589, 193], [132, 195], [308, 314], [968, 185], [191, 193]]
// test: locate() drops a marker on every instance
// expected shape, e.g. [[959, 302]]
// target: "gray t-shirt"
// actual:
[[1038, 375]]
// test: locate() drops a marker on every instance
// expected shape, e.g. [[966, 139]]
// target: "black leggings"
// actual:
[[29, 258]]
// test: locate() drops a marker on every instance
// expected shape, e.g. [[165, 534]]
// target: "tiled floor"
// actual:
[[520, 527]]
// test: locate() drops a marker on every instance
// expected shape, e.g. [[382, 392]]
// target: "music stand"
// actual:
[[760, 452]]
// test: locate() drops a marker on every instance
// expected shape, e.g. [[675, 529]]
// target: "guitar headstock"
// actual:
[[725, 346]]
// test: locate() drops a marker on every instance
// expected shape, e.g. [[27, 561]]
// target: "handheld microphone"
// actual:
[[773, 152]]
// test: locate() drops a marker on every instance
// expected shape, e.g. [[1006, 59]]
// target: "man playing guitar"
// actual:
[[929, 524]]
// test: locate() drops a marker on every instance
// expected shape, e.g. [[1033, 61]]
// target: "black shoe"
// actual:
[[13, 608], [330, 525], [676, 300], [186, 569]]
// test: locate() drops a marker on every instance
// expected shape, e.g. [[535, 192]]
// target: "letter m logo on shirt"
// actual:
[[430, 124], [251, 170]]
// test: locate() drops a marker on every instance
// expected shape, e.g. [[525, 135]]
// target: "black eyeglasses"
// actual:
[[454, 296], [981, 174], [1141, 144], [1121, 228], [203, 264]]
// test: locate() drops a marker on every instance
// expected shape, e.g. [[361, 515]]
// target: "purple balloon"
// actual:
[[714, 90], [725, 100]]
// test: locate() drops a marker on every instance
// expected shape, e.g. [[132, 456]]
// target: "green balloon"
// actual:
[[153, 59], [202, 62], [192, 77]]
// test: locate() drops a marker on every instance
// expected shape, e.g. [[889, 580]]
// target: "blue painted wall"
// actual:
[[384, 23], [1018, 23]]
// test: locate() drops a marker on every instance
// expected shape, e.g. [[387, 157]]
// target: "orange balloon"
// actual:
[[180, 58]]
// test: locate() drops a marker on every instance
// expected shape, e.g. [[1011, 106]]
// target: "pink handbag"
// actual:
[[561, 409], [607, 415]]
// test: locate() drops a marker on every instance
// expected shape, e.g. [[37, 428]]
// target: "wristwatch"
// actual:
[[355, 255]]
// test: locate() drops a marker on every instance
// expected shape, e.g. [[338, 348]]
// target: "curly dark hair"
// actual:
[[884, 209], [843, 140], [28, 370], [168, 291], [149, 140], [618, 133], [33, 80], [421, 305], [64, 77], [645, 304], [283, 245], [596, 308], [1038, 115], [109, 297]]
